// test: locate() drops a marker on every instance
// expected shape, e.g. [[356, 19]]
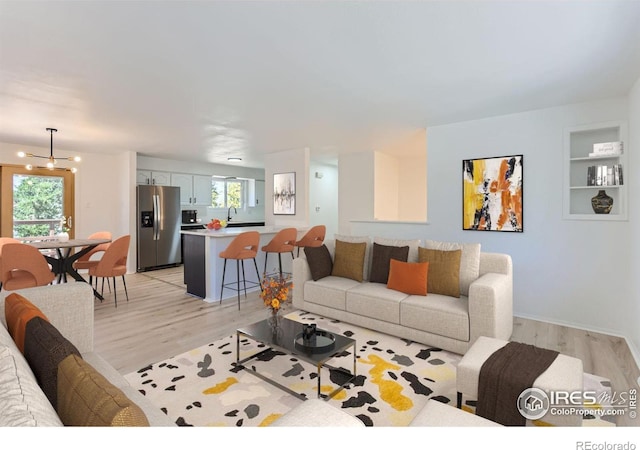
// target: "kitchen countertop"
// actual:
[[204, 269], [231, 231]]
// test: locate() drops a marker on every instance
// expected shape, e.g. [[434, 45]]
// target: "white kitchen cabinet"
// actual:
[[255, 190], [195, 190], [201, 190], [151, 177], [185, 183]]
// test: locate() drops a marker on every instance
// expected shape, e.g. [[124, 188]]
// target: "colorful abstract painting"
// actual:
[[492, 194]]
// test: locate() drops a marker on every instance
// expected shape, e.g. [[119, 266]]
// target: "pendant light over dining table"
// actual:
[[51, 160]]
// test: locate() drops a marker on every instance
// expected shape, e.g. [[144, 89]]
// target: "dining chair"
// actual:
[[243, 246], [88, 259], [23, 266], [85, 261], [313, 238], [5, 240], [113, 264], [282, 242]]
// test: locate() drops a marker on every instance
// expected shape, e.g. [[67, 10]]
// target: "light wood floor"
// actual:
[[161, 320]]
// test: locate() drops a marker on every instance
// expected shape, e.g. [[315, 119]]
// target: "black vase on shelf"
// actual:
[[602, 203]]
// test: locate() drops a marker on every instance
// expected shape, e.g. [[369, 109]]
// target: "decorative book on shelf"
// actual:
[[603, 175]]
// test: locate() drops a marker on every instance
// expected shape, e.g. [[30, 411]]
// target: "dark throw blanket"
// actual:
[[504, 375]]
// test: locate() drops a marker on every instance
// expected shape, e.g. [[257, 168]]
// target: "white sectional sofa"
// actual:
[[484, 308], [69, 308]]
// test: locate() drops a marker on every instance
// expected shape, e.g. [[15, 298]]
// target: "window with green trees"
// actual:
[[37, 205], [227, 193]]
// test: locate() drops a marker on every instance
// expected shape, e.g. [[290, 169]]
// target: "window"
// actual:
[[36, 203], [227, 193]]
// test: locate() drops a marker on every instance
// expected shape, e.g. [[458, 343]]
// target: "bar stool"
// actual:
[[282, 242], [244, 246], [313, 238]]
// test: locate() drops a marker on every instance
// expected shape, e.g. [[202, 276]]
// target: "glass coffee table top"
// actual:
[[288, 339], [285, 339]]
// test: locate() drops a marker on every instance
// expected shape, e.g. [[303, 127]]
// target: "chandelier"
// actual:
[[51, 160]]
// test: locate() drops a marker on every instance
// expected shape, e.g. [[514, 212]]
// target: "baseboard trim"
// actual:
[[632, 348]]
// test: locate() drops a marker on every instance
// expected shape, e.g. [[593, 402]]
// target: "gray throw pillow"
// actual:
[[381, 261], [319, 260]]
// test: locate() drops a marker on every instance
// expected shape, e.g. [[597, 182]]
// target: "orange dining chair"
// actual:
[[313, 238], [5, 240], [88, 259], [85, 261], [113, 264], [243, 246], [282, 242], [23, 266]]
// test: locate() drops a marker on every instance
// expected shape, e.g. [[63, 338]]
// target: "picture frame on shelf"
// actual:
[[284, 193], [492, 194]]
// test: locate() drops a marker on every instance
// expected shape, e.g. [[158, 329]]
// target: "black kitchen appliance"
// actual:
[[189, 216]]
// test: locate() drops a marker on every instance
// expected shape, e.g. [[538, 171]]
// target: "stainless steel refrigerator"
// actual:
[[159, 219]]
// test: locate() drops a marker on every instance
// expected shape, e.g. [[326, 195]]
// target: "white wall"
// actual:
[[632, 314], [386, 187], [323, 194], [412, 184], [356, 181], [571, 272], [377, 186]]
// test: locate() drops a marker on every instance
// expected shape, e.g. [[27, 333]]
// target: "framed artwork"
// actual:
[[284, 193], [492, 194]]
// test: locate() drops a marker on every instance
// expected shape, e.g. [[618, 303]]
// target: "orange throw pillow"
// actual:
[[408, 277], [18, 311]]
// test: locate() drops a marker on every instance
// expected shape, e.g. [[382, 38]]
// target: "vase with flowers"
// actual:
[[275, 293]]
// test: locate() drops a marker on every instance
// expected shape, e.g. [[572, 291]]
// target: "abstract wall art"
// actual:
[[284, 193], [492, 194]]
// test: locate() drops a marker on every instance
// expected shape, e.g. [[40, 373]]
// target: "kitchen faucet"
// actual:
[[229, 213]]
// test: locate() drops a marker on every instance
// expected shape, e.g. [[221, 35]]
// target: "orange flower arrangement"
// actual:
[[275, 292]]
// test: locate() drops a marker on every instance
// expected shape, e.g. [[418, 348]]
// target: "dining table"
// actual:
[[62, 262]]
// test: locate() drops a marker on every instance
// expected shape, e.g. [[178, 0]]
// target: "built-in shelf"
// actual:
[[578, 192]]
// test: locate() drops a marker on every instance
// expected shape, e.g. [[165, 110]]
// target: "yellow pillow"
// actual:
[[444, 271], [348, 261], [86, 398], [407, 277]]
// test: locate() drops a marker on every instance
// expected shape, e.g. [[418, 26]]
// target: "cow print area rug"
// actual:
[[395, 378]]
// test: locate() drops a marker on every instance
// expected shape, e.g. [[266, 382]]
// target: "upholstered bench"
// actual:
[[564, 374], [438, 414]]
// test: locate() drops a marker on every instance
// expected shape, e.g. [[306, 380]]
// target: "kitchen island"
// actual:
[[203, 265]]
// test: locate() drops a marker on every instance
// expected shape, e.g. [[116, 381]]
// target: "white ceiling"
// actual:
[[204, 80]]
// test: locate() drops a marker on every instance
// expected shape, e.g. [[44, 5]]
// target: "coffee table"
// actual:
[[284, 339]]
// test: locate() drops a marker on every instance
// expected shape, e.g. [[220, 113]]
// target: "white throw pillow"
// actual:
[[469, 261]]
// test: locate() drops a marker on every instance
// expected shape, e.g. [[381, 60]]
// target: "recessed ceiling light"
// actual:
[[234, 159]]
